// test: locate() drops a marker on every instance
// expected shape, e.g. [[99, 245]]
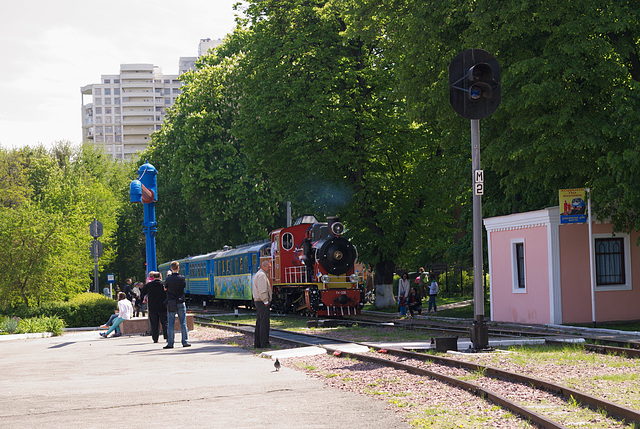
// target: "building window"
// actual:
[[98, 101], [98, 110], [116, 80], [167, 91], [98, 91], [107, 91], [518, 266], [116, 91], [107, 101], [107, 81], [612, 261]]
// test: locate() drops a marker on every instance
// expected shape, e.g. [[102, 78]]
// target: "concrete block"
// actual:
[[141, 325]]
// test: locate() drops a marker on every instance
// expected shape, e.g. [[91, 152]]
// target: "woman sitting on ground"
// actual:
[[125, 312], [415, 302]]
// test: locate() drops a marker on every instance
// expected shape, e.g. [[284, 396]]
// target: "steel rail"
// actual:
[[594, 403], [597, 404]]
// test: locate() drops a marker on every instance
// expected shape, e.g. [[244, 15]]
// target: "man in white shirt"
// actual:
[[261, 291]]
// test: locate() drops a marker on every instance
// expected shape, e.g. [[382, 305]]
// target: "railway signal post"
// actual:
[[144, 190], [95, 230], [474, 93]]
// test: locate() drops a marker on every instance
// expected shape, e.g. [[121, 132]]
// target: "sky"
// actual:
[[49, 49]]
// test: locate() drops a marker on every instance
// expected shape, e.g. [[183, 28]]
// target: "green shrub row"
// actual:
[[15, 325], [87, 309]]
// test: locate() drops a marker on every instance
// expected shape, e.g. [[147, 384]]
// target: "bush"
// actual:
[[9, 325], [87, 309], [450, 283]]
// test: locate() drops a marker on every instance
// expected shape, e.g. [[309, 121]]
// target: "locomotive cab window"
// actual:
[[287, 241]]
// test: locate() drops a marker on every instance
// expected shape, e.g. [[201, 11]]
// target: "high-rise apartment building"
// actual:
[[122, 111]]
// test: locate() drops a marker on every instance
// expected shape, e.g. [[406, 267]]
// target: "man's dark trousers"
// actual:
[[157, 318], [261, 337]]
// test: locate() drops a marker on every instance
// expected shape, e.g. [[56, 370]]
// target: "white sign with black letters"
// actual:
[[478, 182]]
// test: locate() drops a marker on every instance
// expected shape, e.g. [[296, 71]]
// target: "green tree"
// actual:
[[207, 195], [45, 237], [320, 115]]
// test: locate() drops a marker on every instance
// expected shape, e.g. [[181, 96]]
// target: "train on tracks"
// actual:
[[313, 271]]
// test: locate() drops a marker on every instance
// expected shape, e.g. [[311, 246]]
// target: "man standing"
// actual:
[[156, 303], [261, 291], [127, 290], [174, 285]]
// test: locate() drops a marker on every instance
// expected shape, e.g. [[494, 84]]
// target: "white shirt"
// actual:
[[126, 309], [261, 288], [433, 288], [403, 288]]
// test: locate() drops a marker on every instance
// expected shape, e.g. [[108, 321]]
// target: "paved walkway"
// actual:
[[82, 381]]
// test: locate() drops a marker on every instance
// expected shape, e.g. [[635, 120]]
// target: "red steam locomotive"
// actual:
[[313, 269]]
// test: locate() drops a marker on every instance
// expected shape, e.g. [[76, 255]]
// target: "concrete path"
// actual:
[[82, 381]]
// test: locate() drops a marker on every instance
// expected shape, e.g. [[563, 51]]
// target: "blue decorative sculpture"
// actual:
[[145, 190]]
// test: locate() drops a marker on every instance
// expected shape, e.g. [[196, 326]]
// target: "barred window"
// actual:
[[519, 254], [610, 269]]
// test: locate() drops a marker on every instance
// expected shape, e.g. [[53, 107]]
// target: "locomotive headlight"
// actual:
[[354, 278], [325, 279]]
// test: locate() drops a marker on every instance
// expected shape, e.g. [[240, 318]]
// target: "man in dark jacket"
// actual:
[[174, 285], [128, 291], [156, 305]]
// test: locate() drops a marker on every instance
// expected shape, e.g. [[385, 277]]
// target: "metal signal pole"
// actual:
[[480, 332]]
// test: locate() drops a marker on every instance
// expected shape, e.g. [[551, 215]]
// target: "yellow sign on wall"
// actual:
[[573, 206]]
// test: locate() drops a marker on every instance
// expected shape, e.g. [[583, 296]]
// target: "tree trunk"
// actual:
[[384, 284]]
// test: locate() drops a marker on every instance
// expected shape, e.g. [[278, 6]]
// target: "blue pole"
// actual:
[[150, 229], [145, 190]]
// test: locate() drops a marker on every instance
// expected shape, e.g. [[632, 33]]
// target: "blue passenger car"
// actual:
[[222, 275], [200, 277], [233, 270]]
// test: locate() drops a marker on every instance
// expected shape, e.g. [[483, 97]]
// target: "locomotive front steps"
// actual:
[[141, 325]]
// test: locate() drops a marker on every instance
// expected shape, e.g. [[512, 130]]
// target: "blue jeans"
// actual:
[[171, 320], [432, 301], [115, 327]]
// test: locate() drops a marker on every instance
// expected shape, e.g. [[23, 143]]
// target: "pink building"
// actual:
[[539, 270]]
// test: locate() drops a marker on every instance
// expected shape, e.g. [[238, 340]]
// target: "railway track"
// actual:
[[593, 342], [440, 368]]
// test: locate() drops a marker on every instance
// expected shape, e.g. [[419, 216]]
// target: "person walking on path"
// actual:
[[137, 304], [156, 297], [125, 312], [174, 285], [128, 291], [433, 291], [261, 291], [422, 281], [403, 293]]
